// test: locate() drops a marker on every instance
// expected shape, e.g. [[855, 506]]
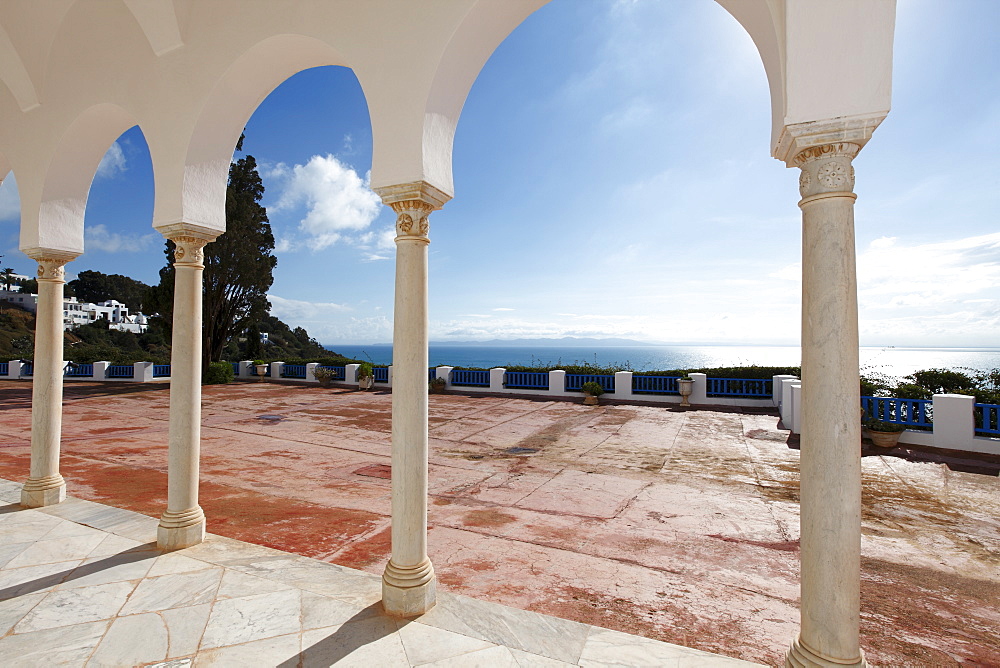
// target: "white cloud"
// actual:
[[298, 311], [337, 200], [112, 163], [10, 200], [503, 309], [97, 237]]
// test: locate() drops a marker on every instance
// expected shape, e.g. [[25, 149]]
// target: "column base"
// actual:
[[409, 591], [41, 492], [801, 656], [179, 530]]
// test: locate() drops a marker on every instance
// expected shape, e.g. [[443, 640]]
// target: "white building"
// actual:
[[76, 313]]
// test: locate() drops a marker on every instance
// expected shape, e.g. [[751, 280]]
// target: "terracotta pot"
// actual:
[[366, 383], [591, 400], [885, 439]]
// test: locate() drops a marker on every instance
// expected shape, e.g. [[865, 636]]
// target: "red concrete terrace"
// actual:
[[676, 525]]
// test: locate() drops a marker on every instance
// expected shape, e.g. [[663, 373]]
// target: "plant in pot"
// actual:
[[593, 391], [437, 385], [366, 376], [685, 385], [261, 367], [884, 434], [324, 375]]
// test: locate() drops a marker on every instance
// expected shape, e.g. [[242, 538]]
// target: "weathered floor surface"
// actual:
[[676, 525]]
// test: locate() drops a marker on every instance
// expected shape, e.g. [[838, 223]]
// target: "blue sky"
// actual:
[[613, 178]]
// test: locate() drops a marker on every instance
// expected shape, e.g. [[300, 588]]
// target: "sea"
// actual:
[[892, 361]]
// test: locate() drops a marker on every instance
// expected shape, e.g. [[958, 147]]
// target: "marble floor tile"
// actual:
[[237, 585], [31, 579], [76, 606], [280, 651], [9, 550], [239, 620], [174, 591], [26, 529], [363, 644], [115, 544], [185, 627], [131, 641], [319, 611], [547, 636], [52, 550], [426, 644], [14, 609], [65, 646], [173, 563], [606, 648], [129, 565], [493, 657], [528, 660]]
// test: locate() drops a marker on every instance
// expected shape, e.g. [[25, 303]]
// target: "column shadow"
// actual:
[[349, 636]]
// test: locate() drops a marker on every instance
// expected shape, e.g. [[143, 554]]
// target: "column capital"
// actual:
[[798, 137], [413, 203], [826, 170], [189, 240], [51, 262]]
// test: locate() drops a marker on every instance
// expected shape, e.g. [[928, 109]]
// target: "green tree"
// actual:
[[7, 277], [238, 265]]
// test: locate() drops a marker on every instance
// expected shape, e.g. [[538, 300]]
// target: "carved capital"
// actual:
[[51, 263], [826, 168], [189, 252], [411, 220]]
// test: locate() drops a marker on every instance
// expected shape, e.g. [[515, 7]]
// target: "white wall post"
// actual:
[[444, 372], [13, 369], [390, 375], [310, 367], [623, 385], [351, 373], [776, 387], [142, 372], [699, 389], [245, 369], [101, 370], [557, 383], [276, 370], [496, 379], [795, 407], [954, 424]]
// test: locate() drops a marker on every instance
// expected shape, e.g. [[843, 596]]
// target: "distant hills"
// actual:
[[562, 342]]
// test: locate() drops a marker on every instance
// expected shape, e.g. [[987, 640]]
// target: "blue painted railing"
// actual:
[[4, 366], [381, 374], [28, 369], [987, 419], [79, 371], [432, 373], [655, 384], [527, 380], [236, 368], [162, 370], [293, 370], [739, 387], [575, 381], [339, 372], [467, 378], [910, 412], [120, 372]]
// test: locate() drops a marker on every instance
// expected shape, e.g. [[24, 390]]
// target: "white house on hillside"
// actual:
[[77, 313]]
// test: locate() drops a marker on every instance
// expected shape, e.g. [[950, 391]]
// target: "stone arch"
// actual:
[[54, 218], [201, 180]]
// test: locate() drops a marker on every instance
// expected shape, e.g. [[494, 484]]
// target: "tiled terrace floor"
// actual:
[[81, 583], [676, 525]]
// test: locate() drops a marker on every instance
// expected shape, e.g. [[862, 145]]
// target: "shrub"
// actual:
[[592, 388], [365, 370], [322, 373], [437, 384], [878, 425], [217, 373]]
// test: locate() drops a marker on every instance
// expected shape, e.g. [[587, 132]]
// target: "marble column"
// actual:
[[831, 428], [408, 583], [183, 523], [45, 486]]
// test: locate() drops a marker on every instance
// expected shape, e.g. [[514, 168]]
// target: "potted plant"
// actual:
[[261, 367], [366, 376], [884, 434], [437, 385], [324, 375], [685, 385], [593, 391]]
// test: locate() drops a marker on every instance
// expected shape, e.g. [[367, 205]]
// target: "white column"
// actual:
[[45, 486], [409, 583], [831, 428], [183, 523]]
